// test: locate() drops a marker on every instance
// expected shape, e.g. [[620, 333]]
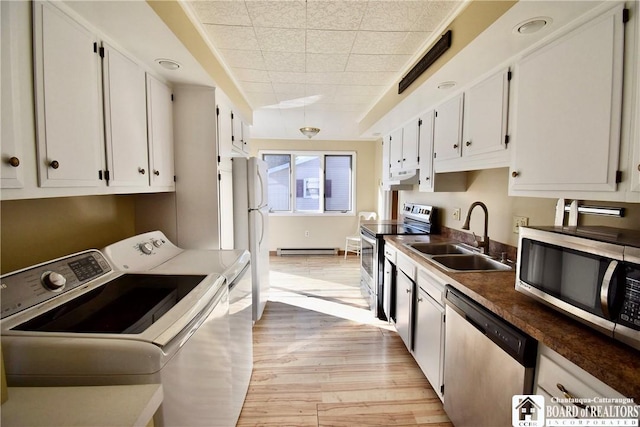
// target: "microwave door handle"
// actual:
[[605, 289]]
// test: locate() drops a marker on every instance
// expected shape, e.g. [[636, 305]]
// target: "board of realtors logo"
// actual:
[[527, 411]]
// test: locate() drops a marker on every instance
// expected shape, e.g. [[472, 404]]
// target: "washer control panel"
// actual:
[[34, 285]]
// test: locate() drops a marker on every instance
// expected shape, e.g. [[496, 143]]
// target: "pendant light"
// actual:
[[307, 131]]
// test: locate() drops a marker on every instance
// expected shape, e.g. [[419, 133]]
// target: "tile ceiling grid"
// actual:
[[319, 55]]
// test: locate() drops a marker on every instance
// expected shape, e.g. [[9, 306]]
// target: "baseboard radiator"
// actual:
[[307, 251]]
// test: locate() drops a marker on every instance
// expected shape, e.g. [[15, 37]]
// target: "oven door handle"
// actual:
[[367, 239], [605, 289]]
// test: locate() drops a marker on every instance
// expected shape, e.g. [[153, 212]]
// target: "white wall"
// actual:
[[324, 231], [491, 187]]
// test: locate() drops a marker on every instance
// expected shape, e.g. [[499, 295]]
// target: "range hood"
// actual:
[[403, 180]]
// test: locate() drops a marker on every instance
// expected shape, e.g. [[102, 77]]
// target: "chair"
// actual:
[[353, 243]]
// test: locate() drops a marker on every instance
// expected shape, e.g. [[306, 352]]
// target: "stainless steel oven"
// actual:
[[590, 273], [416, 219]]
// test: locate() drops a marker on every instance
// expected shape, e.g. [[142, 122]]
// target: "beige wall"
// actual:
[[491, 187], [324, 231], [34, 231]]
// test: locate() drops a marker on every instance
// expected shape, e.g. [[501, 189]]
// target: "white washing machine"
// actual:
[[154, 253]]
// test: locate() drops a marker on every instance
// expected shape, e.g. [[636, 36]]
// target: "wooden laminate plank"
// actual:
[[322, 359]]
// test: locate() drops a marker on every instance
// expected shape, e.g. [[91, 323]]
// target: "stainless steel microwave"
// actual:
[[590, 273]]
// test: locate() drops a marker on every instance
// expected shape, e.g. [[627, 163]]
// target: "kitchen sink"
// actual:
[[471, 262], [440, 248], [454, 256]]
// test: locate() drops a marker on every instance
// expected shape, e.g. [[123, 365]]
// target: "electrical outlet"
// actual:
[[519, 221], [306, 233], [456, 214]]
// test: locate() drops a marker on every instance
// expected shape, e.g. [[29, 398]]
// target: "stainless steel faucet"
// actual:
[[484, 245]]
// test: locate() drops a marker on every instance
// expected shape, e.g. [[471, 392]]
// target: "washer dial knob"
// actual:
[[53, 281], [157, 243], [146, 248]]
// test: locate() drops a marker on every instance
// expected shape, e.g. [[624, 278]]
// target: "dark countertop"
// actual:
[[614, 363]]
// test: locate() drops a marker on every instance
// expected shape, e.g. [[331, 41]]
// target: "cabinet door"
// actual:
[[447, 130], [404, 295], [568, 110], [68, 100], [485, 115], [11, 171], [160, 133], [236, 131], [225, 130], [429, 332], [426, 152], [125, 112], [410, 145], [395, 147], [246, 135]]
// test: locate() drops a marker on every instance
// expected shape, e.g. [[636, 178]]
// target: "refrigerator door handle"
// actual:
[[261, 204], [261, 228]]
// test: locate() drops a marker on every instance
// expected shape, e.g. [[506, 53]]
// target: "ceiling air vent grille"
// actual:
[[429, 58]]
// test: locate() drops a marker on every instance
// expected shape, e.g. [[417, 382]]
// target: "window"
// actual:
[[310, 182]]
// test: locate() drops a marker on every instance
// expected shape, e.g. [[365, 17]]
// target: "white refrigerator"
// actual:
[[251, 223]]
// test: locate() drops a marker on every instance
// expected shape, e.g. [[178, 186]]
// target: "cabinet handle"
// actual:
[[399, 161], [408, 291], [455, 146], [156, 172], [427, 179], [419, 299], [638, 167], [14, 161], [468, 143], [141, 171], [515, 174], [573, 398], [54, 164]]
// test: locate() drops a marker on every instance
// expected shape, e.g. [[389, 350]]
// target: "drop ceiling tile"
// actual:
[[257, 87], [320, 89], [221, 12], [287, 77], [243, 58], [434, 13], [335, 15], [284, 61], [377, 62], [392, 15], [280, 39], [326, 63], [326, 41], [250, 75], [230, 37], [289, 88], [277, 14], [378, 42], [324, 78], [356, 90], [369, 78]]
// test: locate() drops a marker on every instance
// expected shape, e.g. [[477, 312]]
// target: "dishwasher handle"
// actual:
[[518, 344]]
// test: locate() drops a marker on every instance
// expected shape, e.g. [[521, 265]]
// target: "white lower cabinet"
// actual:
[[564, 384], [419, 318]]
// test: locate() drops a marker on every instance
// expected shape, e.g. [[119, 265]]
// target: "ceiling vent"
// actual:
[[427, 60]]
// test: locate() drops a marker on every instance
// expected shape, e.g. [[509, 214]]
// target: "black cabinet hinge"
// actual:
[[418, 159], [171, 97], [442, 389], [232, 138], [95, 47], [618, 177], [219, 159], [509, 75], [217, 111], [434, 155], [232, 115], [174, 178], [436, 114], [100, 175], [101, 50], [219, 177], [103, 175], [506, 141], [419, 122], [625, 16]]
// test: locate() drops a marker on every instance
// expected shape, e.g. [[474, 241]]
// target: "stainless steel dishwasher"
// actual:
[[487, 362]]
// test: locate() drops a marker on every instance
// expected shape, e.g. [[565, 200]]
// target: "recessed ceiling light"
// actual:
[[532, 25], [169, 64], [446, 85]]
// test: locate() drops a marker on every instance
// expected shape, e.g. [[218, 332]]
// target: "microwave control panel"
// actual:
[[630, 313]]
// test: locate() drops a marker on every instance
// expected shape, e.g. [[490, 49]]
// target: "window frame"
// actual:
[[322, 154]]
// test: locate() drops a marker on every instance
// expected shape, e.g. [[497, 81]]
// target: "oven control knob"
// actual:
[[146, 248], [53, 281], [157, 243]]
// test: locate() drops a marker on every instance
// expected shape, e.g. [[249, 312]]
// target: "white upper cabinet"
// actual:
[[225, 129], [485, 116], [395, 151], [239, 136], [568, 100], [160, 133], [11, 160], [447, 133], [246, 135], [426, 152], [68, 100], [125, 118], [404, 150]]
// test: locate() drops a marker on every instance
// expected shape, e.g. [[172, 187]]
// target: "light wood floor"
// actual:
[[322, 359]]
